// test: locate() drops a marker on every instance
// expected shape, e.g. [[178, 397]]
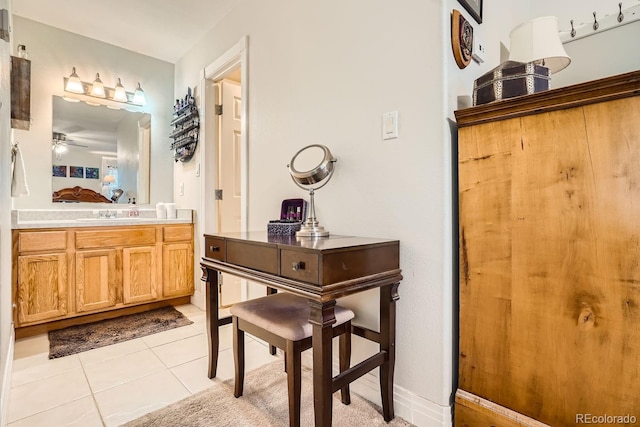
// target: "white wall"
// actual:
[[325, 73], [53, 53]]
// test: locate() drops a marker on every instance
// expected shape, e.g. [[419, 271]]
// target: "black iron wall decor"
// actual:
[[186, 128]]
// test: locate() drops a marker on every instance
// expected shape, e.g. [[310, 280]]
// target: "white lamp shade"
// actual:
[[73, 83], [539, 41], [97, 89], [120, 94], [108, 179]]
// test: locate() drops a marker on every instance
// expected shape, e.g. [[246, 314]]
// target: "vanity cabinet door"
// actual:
[[139, 274], [42, 287], [96, 280], [177, 269]]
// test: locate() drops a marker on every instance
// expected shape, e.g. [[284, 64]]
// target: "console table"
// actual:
[[321, 270]]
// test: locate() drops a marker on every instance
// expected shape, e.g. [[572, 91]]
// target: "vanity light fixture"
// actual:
[[97, 89], [120, 94], [138, 96], [73, 83]]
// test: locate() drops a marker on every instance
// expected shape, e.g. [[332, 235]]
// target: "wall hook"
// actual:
[[573, 30], [620, 14], [595, 22]]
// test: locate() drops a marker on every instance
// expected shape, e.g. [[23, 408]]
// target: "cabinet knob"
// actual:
[[214, 248], [295, 266]]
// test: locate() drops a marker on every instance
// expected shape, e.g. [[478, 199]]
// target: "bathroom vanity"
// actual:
[[72, 267]]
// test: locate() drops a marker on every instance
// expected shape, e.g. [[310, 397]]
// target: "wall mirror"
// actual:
[[100, 149]]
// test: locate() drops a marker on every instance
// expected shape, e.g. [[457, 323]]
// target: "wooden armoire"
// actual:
[[549, 244]]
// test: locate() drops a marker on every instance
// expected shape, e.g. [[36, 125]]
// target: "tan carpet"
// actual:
[[263, 404], [76, 339]]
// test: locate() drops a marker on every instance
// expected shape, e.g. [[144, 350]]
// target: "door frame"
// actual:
[[230, 60]]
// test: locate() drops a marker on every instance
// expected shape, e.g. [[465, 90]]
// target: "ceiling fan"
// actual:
[[59, 144]]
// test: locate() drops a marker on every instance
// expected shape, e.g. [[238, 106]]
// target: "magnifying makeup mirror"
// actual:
[[311, 168]]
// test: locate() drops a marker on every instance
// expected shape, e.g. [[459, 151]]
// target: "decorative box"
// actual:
[[293, 212], [508, 80]]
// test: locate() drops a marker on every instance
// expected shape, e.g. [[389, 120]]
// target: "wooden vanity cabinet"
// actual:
[[42, 273], [69, 273], [96, 280], [177, 261]]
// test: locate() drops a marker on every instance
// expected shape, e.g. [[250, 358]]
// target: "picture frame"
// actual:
[[59, 171], [92, 173], [76, 172], [474, 7]]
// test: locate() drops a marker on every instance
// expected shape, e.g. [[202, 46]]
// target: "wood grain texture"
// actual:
[[549, 270], [41, 241], [96, 280], [139, 274], [177, 269], [109, 267], [42, 287], [474, 411]]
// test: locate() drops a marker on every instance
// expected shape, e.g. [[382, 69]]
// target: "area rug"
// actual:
[[76, 339], [263, 404]]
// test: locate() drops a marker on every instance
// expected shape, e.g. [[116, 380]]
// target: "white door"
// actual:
[[229, 177], [230, 151]]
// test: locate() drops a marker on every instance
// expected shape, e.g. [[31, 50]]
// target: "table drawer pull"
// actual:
[[214, 248], [295, 266]]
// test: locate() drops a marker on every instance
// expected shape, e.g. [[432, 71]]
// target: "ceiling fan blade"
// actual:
[[75, 144]]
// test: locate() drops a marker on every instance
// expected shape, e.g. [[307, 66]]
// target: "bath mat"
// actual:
[[79, 338]]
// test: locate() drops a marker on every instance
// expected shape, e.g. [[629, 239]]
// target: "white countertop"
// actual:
[[61, 218]]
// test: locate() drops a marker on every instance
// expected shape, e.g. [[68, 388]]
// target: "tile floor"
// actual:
[[111, 385]]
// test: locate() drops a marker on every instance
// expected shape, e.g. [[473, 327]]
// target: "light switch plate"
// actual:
[[390, 125]]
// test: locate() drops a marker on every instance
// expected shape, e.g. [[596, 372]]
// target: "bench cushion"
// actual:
[[283, 314]]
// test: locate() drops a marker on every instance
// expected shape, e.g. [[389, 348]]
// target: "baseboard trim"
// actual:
[[6, 379]]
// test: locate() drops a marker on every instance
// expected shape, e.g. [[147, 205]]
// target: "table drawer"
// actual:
[[42, 241], [299, 266], [215, 248], [254, 256]]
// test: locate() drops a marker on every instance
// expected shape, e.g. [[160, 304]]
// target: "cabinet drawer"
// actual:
[[42, 241], [177, 233], [257, 257], [299, 266], [215, 248], [120, 237]]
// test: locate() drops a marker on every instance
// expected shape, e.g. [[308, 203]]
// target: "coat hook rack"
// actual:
[[620, 14], [578, 30]]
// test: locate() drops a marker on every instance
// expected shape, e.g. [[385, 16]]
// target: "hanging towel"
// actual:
[[19, 184]]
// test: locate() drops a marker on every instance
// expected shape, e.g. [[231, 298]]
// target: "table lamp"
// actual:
[[538, 41]]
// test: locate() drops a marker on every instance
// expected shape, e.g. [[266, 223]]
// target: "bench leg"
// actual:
[[294, 381], [238, 357], [344, 346]]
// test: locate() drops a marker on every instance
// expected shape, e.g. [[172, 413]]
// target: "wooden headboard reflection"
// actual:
[[78, 194]]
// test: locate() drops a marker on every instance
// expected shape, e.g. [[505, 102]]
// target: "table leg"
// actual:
[[322, 317], [388, 298], [211, 300]]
